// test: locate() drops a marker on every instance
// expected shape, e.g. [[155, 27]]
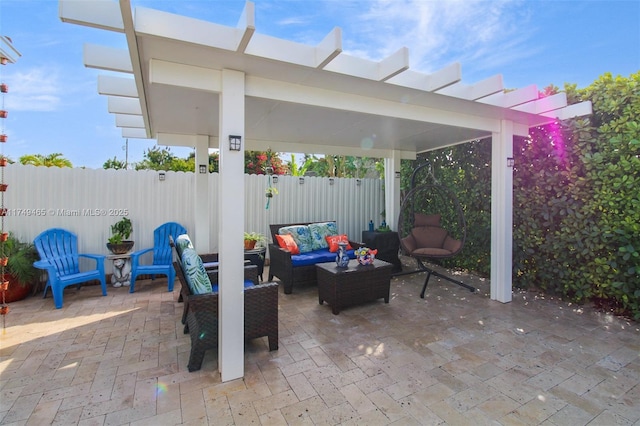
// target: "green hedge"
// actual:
[[576, 200]]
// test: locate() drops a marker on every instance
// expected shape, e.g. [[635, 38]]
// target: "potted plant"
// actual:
[[20, 273], [271, 191], [118, 243], [251, 239]]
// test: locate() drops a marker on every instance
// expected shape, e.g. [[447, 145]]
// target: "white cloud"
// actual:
[[37, 89], [478, 34]]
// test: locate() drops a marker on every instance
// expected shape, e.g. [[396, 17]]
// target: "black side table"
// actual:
[[256, 257], [387, 244]]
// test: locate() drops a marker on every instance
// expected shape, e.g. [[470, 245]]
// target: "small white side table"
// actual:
[[121, 275]]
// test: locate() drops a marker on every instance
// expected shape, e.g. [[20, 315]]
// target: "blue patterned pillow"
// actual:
[[319, 233], [182, 242], [301, 236], [194, 272]]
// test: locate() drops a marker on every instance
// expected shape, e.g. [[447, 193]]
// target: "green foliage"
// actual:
[[121, 231], [114, 163], [21, 257], [465, 171], [576, 206], [52, 160], [157, 158]]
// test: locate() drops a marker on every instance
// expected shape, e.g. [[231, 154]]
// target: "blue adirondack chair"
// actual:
[[58, 250], [162, 263]]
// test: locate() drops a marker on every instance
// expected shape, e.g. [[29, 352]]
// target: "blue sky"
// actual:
[[54, 106]]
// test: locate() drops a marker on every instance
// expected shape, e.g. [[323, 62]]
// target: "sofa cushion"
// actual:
[[421, 219], [300, 234], [319, 233], [247, 283], [429, 236], [194, 272], [183, 241], [317, 256], [288, 243], [333, 241]]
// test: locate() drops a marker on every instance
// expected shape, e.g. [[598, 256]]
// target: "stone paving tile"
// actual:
[[453, 358]]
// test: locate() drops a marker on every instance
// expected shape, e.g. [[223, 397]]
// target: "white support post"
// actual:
[[502, 213], [392, 189], [231, 229], [202, 234]]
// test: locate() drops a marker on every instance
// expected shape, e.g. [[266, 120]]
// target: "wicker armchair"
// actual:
[[201, 314]]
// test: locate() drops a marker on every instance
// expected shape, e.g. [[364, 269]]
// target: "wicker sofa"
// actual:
[[297, 269], [200, 314]]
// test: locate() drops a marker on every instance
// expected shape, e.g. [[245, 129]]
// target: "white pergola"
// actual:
[[188, 82]]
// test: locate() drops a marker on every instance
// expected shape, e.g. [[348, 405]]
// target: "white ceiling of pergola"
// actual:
[[299, 98]]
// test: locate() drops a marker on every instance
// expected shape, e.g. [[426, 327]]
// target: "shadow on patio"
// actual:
[[452, 358]]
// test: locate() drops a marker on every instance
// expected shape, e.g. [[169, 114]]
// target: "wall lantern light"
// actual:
[[162, 176], [202, 168], [510, 162], [235, 142]]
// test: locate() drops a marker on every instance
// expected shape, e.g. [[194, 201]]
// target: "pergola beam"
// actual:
[[107, 58], [117, 86], [101, 14], [120, 105]]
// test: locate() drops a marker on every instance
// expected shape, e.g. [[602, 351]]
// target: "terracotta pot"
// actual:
[[16, 292], [4, 88], [4, 237], [3, 113], [3, 138], [249, 244], [3, 187]]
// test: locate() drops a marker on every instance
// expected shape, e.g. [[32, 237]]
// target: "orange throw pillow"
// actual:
[[333, 241], [287, 242]]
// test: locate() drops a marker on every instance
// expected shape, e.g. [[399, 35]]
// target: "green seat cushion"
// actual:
[[301, 235], [182, 242], [194, 272], [319, 233]]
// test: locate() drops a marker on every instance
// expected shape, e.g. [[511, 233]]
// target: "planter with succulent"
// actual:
[[120, 231], [19, 273], [251, 239]]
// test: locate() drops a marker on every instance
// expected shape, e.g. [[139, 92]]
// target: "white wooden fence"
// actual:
[[87, 202]]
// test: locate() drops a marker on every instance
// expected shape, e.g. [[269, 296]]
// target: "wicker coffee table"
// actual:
[[342, 287]]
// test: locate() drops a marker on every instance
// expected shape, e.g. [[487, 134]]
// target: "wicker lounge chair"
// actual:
[[260, 314]]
